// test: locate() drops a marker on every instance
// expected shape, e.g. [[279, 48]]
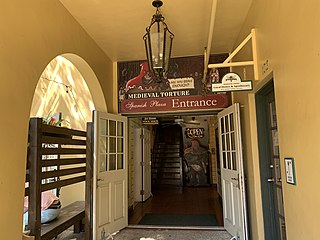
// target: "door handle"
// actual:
[[236, 179], [100, 179], [270, 179]]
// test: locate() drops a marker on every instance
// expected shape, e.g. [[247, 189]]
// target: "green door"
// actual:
[[270, 172]]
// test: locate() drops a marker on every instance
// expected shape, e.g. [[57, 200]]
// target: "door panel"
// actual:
[[110, 175], [119, 203], [232, 174], [104, 193], [226, 188]]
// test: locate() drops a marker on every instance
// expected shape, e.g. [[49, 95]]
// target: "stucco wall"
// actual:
[[32, 34], [288, 37], [62, 89]]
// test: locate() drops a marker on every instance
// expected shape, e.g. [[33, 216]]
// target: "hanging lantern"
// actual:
[[158, 43]]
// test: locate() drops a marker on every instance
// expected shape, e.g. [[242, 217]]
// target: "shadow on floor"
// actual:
[[156, 234]]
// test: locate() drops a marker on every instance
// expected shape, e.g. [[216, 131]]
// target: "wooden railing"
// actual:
[[56, 158]]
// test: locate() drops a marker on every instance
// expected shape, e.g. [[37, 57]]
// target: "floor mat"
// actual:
[[178, 219]]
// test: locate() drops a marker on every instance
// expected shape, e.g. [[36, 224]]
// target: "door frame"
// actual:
[[264, 146]]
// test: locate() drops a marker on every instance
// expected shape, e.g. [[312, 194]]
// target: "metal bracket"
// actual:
[[254, 62]]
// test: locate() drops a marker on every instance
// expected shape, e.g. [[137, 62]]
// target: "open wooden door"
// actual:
[[110, 201], [142, 164], [146, 142], [232, 174]]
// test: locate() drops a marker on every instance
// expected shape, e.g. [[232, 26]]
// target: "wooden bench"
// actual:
[[69, 215], [68, 167]]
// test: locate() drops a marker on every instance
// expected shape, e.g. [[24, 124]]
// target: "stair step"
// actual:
[[170, 150], [166, 170], [166, 154], [167, 146], [166, 164], [168, 181], [166, 160], [166, 176]]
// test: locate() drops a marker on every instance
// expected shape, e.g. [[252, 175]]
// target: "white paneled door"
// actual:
[[232, 174], [142, 164], [110, 201], [146, 143]]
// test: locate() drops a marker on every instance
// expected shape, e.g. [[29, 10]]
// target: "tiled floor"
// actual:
[[157, 234]]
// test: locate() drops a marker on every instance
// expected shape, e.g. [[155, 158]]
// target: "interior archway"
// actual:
[[91, 80], [68, 88]]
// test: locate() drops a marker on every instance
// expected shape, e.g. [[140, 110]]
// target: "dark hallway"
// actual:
[[173, 194]]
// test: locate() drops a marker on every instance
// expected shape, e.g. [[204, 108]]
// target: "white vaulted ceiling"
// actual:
[[118, 25]]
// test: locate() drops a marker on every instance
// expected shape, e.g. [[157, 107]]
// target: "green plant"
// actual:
[[50, 120]]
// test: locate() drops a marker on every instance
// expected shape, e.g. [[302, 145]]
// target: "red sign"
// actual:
[[182, 89], [172, 104]]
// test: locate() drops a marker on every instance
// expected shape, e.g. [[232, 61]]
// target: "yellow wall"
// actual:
[[32, 34], [52, 95], [288, 37], [74, 102]]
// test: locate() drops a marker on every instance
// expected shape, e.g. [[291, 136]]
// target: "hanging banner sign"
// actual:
[[232, 82], [169, 104], [182, 88]]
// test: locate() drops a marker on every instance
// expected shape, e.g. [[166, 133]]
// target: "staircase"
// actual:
[[167, 157]]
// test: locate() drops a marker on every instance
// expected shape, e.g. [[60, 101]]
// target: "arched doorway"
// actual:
[[63, 92]]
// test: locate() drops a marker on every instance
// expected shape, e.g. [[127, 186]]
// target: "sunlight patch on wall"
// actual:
[[61, 88]]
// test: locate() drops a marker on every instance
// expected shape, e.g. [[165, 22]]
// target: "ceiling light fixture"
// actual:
[[158, 43]]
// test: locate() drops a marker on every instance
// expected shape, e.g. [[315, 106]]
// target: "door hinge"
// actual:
[[142, 136], [141, 192], [141, 164]]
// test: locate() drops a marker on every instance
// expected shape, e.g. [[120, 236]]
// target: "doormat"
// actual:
[[179, 219]]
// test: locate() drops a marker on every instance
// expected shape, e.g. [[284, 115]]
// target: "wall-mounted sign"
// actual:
[[290, 171], [181, 83], [181, 90], [194, 132], [195, 153], [150, 121], [232, 82]]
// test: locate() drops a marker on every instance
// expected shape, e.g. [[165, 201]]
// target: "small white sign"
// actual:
[[181, 83], [290, 171], [232, 82]]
